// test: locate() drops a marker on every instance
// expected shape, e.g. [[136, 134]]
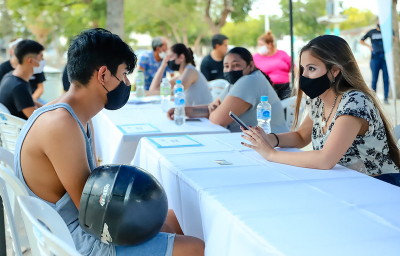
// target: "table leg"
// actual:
[[3, 249]]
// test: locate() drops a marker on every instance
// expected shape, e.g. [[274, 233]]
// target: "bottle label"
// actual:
[[264, 114], [179, 102], [166, 91]]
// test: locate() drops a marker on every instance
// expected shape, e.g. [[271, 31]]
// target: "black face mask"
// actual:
[[233, 76], [118, 97], [173, 66], [315, 87]]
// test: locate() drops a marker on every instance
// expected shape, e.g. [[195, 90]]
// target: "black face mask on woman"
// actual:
[[118, 97], [173, 66], [315, 87]]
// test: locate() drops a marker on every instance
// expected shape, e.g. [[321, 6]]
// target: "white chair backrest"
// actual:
[[289, 105], [8, 180], [217, 86], [46, 229], [10, 126], [397, 132], [4, 109]]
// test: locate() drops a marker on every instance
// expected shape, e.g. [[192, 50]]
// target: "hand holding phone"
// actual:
[[237, 120]]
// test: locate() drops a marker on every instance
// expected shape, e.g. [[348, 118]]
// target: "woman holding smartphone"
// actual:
[[247, 85], [346, 124]]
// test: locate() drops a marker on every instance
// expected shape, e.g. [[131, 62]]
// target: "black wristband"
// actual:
[[277, 144]]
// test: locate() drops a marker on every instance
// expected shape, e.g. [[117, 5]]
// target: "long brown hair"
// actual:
[[334, 51]]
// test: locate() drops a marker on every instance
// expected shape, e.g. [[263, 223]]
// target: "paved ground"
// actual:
[[365, 70]]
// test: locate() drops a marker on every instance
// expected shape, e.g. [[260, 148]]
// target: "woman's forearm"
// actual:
[[155, 84], [315, 159], [288, 140]]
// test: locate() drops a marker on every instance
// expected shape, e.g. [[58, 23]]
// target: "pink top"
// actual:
[[277, 66]]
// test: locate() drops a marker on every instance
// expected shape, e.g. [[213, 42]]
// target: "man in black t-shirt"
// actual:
[[36, 81], [212, 65], [15, 90], [378, 61]]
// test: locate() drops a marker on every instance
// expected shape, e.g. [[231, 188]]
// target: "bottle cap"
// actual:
[[178, 81], [179, 89], [264, 98]]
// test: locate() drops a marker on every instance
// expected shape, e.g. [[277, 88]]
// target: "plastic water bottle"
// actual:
[[140, 84], [165, 92], [177, 85], [264, 114], [179, 114]]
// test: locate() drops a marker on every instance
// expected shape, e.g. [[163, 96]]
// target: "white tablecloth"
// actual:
[[256, 207], [116, 147]]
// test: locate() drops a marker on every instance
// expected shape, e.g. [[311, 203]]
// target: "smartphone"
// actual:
[[193, 120], [237, 120]]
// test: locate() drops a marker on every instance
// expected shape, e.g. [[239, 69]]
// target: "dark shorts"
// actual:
[[391, 178]]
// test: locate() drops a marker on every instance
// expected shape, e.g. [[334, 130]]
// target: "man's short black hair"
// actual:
[[157, 42], [218, 39], [94, 48], [26, 47]]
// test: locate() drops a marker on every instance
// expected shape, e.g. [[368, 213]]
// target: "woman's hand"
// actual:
[[170, 113], [214, 105], [268, 137], [258, 143], [167, 57]]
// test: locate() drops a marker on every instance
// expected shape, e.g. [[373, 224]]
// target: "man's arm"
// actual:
[[29, 111], [65, 147], [38, 92], [362, 40]]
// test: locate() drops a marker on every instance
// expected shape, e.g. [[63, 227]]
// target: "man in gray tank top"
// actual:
[[54, 153]]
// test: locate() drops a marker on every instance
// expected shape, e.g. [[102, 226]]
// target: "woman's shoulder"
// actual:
[[356, 97], [282, 53]]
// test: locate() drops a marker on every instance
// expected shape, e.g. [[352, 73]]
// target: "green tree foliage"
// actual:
[[244, 33], [357, 18], [305, 14]]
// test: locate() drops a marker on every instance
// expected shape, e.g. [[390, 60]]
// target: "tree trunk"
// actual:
[[115, 17], [197, 43], [396, 48], [176, 35], [216, 26], [185, 38], [40, 34]]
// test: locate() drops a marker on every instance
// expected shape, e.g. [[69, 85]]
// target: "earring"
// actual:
[[333, 80]]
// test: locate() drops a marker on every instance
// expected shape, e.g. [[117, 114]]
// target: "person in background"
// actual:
[[275, 63], [212, 65], [180, 58], [247, 85], [15, 90], [37, 79], [378, 61], [345, 121], [54, 152], [150, 61]]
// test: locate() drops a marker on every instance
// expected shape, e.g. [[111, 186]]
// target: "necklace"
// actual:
[[330, 113]]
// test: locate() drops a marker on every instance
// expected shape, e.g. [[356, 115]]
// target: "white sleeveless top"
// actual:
[[369, 153]]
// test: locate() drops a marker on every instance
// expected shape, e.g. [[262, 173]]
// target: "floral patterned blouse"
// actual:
[[369, 153]]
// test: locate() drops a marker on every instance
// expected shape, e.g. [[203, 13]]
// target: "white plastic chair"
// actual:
[[4, 109], [10, 127], [396, 131], [8, 181], [217, 86], [47, 232], [289, 105]]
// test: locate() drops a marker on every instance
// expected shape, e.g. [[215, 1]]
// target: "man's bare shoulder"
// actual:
[[57, 124]]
